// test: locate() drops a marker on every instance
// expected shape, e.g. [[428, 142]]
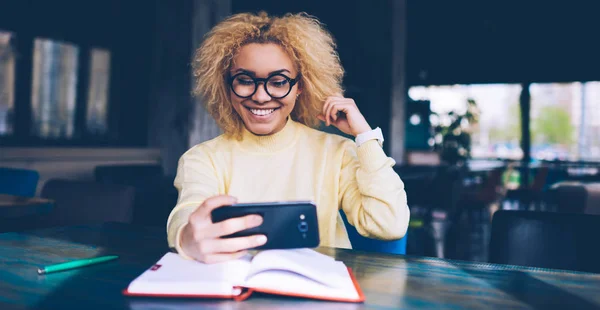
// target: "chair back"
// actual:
[[18, 182], [540, 178], [593, 199], [567, 197], [126, 174], [362, 243], [493, 184], [155, 195], [546, 240], [83, 203], [446, 189]]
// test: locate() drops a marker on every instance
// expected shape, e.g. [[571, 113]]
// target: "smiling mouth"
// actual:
[[261, 112]]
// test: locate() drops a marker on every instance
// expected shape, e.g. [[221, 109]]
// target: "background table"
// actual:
[[388, 281], [17, 206]]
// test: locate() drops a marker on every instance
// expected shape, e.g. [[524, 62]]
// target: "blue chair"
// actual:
[[18, 182], [362, 243]]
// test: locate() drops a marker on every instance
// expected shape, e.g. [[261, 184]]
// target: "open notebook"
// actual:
[[298, 272]]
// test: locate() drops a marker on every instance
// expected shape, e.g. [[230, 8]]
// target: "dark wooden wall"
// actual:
[[170, 103]]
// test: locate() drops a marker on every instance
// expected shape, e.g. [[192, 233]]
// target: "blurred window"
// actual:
[[498, 132], [565, 121], [7, 83], [54, 88], [97, 104]]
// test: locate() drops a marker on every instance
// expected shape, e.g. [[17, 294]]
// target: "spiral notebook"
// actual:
[[300, 273]]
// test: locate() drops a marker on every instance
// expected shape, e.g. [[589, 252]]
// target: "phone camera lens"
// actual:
[[303, 227]]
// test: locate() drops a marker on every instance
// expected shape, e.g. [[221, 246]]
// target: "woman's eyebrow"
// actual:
[[252, 73]]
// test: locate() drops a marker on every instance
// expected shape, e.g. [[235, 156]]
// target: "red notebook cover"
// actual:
[[247, 292]]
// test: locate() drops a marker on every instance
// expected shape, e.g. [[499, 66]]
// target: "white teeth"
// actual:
[[262, 112]]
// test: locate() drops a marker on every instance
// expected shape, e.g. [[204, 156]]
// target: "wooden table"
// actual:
[[389, 282], [16, 206]]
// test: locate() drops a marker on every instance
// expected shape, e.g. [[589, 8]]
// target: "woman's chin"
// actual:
[[265, 128], [261, 129]]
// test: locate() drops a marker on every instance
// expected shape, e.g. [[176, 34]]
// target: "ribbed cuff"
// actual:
[[178, 247], [371, 156], [175, 224]]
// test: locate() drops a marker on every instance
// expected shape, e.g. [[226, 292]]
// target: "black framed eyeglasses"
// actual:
[[276, 85]]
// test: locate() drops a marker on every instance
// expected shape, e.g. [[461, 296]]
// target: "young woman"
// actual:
[[267, 81]]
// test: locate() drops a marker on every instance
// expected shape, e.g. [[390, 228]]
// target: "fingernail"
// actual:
[[256, 220], [261, 239]]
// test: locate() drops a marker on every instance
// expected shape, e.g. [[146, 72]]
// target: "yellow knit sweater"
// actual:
[[297, 163]]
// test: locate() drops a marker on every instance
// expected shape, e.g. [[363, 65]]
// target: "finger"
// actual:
[[327, 105], [321, 117], [215, 202], [233, 225], [232, 245], [332, 112], [222, 257], [328, 114], [335, 107]]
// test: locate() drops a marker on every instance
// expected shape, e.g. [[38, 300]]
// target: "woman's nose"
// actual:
[[261, 95]]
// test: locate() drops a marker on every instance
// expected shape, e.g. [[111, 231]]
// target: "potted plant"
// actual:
[[452, 134]]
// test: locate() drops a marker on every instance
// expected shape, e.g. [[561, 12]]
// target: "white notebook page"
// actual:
[[177, 275], [301, 272]]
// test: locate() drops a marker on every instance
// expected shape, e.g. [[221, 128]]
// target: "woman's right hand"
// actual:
[[200, 238]]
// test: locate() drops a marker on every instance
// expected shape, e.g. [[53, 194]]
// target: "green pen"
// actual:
[[76, 264]]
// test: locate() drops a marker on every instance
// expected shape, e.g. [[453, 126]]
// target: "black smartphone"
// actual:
[[287, 225]]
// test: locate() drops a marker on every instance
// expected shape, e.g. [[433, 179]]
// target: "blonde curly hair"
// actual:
[[301, 36]]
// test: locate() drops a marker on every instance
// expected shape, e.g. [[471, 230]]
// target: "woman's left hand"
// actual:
[[344, 115]]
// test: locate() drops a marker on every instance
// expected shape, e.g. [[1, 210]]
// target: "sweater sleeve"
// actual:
[[195, 181], [372, 194]]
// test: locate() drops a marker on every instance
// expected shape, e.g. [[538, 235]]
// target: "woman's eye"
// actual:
[[245, 81], [279, 83]]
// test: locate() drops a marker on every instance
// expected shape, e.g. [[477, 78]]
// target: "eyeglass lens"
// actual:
[[277, 86]]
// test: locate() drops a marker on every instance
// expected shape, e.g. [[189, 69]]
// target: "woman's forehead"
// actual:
[[262, 59]]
